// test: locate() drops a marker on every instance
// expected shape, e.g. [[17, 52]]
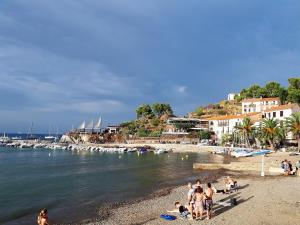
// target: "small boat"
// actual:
[[241, 153], [131, 150], [160, 151], [143, 150], [261, 152]]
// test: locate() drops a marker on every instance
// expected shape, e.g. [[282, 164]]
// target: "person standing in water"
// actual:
[[43, 217]]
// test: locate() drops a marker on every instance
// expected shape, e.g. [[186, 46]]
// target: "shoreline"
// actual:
[[252, 189], [166, 199]]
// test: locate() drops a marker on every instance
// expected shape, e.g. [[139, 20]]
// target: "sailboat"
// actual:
[[49, 137], [30, 136], [98, 124]]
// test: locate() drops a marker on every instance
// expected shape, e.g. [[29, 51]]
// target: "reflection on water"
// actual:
[[76, 183]]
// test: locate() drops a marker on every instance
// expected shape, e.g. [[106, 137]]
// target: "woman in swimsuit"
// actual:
[[43, 218], [198, 199]]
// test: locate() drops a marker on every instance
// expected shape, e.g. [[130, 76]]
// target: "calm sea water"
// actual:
[[71, 185]]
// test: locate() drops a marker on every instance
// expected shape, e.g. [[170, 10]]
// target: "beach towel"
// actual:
[[168, 217]]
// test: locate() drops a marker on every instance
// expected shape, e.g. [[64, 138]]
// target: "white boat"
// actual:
[[241, 153], [160, 151], [4, 139]]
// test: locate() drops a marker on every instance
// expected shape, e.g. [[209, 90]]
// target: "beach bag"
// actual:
[[233, 202]]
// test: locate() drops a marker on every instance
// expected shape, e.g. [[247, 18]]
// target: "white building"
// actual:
[[281, 112], [259, 104], [193, 123], [231, 96], [225, 124]]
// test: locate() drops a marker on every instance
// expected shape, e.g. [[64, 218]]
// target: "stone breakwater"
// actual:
[[177, 148]]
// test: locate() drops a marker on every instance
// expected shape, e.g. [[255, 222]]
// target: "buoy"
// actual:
[[182, 158], [120, 156], [186, 156], [49, 154]]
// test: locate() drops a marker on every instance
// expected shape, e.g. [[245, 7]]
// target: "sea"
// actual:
[[77, 184]]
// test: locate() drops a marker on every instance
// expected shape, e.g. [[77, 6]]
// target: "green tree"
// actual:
[[245, 130], [226, 138], [254, 91], [203, 134], [271, 131], [272, 89], [129, 127], [293, 125], [155, 122], [283, 93], [144, 111], [143, 132], [160, 109], [155, 134], [294, 90]]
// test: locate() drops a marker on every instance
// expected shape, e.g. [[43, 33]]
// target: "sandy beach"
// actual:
[[261, 200]]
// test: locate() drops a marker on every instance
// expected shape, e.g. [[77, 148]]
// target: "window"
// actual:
[[269, 115], [281, 113], [266, 102], [245, 110], [274, 114]]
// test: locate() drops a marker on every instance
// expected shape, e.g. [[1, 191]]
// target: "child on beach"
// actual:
[[43, 217], [183, 210]]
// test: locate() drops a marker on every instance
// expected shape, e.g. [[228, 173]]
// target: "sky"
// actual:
[[65, 61]]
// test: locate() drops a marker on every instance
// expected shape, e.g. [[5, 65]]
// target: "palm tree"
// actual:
[[293, 125], [245, 130], [271, 131]]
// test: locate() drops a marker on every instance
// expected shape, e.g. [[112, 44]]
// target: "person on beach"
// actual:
[[197, 184], [208, 202], [229, 184], [190, 198], [181, 209], [43, 217], [286, 168], [199, 199], [190, 192]]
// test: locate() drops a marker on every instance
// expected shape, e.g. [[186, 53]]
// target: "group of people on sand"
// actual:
[[288, 167], [200, 200]]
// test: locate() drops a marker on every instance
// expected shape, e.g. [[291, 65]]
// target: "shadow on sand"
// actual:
[[219, 209]]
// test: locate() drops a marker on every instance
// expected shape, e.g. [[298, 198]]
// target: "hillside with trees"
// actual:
[[290, 94], [151, 120]]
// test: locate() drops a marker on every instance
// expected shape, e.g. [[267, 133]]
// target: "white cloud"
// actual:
[[181, 89]]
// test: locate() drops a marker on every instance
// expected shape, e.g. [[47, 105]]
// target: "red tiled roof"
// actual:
[[260, 99], [281, 107], [228, 117]]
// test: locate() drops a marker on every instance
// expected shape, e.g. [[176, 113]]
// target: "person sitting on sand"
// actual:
[[286, 167], [199, 199], [208, 202], [43, 217], [179, 208], [229, 184]]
